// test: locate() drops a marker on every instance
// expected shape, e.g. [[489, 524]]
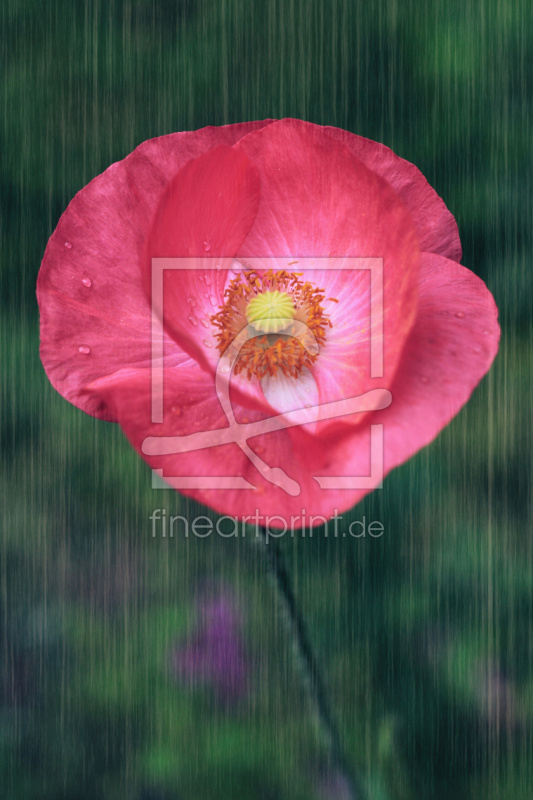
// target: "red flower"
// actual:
[[280, 208]]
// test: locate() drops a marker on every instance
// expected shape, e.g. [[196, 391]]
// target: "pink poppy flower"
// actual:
[[273, 215]]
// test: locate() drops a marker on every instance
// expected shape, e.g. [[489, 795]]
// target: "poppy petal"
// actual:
[[191, 408], [435, 225], [318, 201], [95, 316], [286, 393], [451, 347], [203, 216]]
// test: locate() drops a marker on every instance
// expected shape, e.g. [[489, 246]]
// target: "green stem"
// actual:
[[307, 661]]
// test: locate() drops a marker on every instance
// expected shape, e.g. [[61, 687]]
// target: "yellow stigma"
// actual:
[[270, 312]]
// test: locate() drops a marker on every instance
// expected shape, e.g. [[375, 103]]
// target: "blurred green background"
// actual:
[[425, 635]]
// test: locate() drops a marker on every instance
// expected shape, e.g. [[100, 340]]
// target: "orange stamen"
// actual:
[[273, 352]]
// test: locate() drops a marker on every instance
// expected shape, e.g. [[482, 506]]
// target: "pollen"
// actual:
[[286, 315]]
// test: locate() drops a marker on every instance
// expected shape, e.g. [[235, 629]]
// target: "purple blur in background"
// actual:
[[214, 654]]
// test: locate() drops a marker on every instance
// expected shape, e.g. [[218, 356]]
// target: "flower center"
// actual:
[[270, 312], [286, 310]]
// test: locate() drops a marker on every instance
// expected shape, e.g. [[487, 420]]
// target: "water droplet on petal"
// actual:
[[87, 282], [259, 449], [68, 245], [205, 322], [486, 333], [207, 247], [207, 278], [193, 320], [477, 349], [207, 342], [459, 314], [213, 300], [176, 410], [84, 349], [191, 301], [246, 420]]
